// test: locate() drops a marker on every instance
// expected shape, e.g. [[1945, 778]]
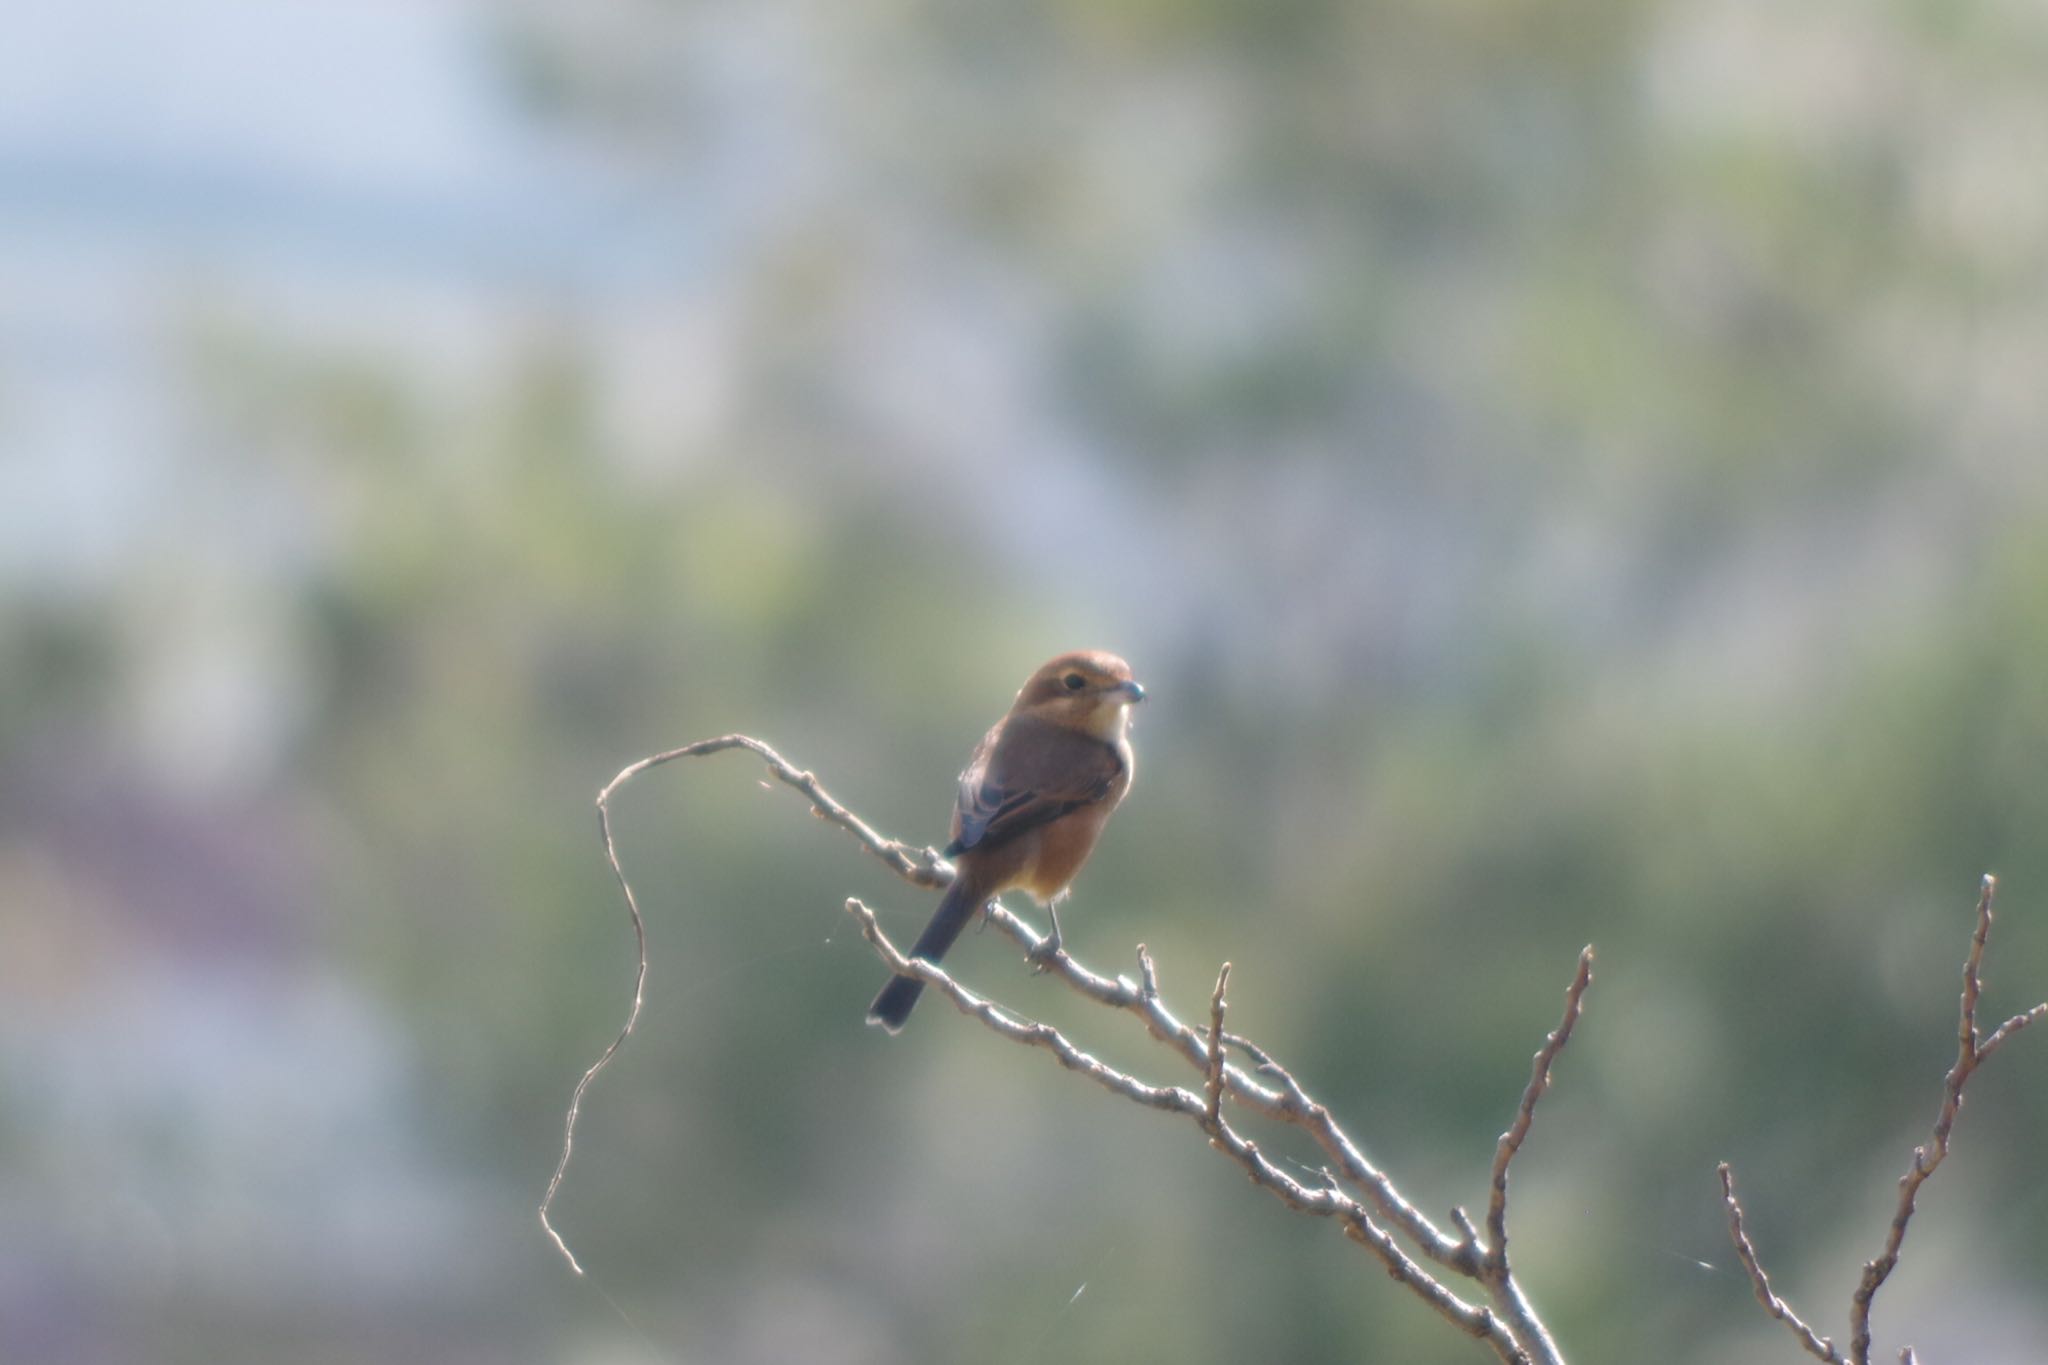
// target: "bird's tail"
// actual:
[[957, 907]]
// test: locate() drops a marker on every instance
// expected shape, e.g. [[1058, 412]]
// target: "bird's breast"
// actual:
[[1064, 844]]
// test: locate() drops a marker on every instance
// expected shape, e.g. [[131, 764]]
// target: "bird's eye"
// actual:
[[1075, 682]]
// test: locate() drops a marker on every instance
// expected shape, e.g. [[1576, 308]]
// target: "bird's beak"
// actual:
[[1132, 691]]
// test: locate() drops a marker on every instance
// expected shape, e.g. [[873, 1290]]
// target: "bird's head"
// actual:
[[1086, 690]]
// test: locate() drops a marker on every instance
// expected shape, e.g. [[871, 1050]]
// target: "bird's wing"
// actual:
[[1025, 775]]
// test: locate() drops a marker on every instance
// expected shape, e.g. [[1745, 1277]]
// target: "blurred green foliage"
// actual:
[[1566, 474]]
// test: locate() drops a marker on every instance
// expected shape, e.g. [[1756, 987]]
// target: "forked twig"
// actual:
[[1972, 1047]]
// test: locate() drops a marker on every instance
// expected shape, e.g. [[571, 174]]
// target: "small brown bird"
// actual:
[[1031, 803]]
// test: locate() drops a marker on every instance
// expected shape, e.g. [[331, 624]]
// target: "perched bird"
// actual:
[[1031, 803]]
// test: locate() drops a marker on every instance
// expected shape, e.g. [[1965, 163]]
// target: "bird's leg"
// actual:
[[1049, 947]]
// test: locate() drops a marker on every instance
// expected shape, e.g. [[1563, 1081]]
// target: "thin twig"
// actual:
[[920, 867], [611, 853], [1930, 1155], [1816, 1344], [1525, 1112], [1492, 1269], [2009, 1028]]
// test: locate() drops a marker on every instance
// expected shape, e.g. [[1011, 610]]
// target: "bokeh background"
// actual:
[[1567, 472]]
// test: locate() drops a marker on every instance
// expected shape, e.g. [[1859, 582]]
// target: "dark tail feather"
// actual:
[[893, 1005]]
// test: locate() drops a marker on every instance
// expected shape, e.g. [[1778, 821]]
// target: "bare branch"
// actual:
[[1509, 1326], [1326, 1202], [1525, 1113], [1971, 1050], [1289, 1103], [920, 867], [1490, 1263], [1816, 1345], [1017, 1029], [1926, 1158]]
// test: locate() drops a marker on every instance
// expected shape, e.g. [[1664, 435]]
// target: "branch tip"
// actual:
[[1511, 1141]]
